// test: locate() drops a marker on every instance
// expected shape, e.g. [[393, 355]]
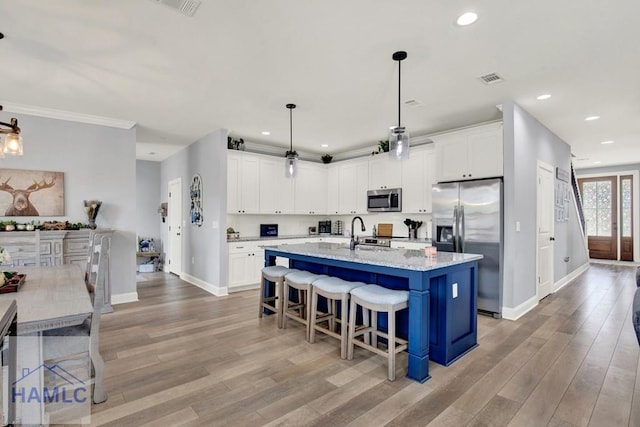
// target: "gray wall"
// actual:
[[98, 163], [148, 220], [206, 245], [526, 141]]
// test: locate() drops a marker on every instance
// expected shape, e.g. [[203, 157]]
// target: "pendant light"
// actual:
[[13, 141], [399, 137], [291, 160]]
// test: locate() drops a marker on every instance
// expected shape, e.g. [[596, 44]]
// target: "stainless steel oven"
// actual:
[[387, 200]]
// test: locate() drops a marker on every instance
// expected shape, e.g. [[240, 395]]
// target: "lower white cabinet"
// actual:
[[246, 260]]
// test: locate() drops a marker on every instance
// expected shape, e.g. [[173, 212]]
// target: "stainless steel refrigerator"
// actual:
[[467, 217]]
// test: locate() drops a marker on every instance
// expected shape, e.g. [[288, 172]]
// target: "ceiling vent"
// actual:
[[186, 7], [413, 103], [491, 78]]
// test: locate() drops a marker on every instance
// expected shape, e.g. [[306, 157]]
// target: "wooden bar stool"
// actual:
[[298, 311], [333, 289], [374, 299], [273, 303]]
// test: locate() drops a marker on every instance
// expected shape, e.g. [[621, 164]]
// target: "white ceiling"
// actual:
[[236, 63]]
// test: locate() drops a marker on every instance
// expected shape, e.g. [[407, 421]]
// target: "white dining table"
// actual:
[[50, 298]]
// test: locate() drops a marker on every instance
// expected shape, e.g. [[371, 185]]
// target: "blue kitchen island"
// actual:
[[440, 323]]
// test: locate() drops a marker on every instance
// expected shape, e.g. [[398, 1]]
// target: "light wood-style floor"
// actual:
[[180, 356]]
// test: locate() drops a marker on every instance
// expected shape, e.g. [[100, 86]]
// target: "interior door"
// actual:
[[626, 218], [175, 226], [599, 203], [545, 215]]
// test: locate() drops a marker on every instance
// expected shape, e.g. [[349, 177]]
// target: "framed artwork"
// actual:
[[31, 193], [195, 192]]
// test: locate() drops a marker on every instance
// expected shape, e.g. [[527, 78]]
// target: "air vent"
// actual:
[[186, 7], [413, 103], [491, 78]]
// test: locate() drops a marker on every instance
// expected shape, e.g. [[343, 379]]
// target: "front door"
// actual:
[[599, 203], [626, 218]]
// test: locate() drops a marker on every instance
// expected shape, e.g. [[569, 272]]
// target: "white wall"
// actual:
[[296, 225], [98, 163]]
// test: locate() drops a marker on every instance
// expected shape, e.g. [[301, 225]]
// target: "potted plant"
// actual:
[[326, 158]]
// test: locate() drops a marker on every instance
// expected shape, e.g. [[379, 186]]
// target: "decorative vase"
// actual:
[[92, 224]]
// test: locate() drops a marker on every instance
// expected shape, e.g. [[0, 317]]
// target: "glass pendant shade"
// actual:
[[399, 143], [291, 166], [13, 144]]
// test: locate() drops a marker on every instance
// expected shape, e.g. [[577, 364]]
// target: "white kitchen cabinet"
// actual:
[[384, 172], [333, 189], [418, 175], [471, 153], [354, 183], [276, 190], [243, 183], [310, 189], [246, 260]]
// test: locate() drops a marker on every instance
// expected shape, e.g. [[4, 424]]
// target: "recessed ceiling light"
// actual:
[[324, 145], [543, 97], [597, 162], [265, 132], [607, 142], [152, 153], [467, 18], [591, 118]]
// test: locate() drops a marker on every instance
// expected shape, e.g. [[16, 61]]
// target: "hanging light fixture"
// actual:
[[399, 137], [13, 141], [291, 157]]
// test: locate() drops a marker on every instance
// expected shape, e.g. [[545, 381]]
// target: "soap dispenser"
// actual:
[[375, 233]]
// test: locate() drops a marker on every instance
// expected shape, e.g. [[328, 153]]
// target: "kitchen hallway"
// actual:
[[181, 356]]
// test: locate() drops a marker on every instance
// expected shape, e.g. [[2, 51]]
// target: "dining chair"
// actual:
[[60, 348]]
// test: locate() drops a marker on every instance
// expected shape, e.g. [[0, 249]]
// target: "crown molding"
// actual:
[[67, 115]]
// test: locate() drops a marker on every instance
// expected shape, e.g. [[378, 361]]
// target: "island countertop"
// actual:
[[387, 257]]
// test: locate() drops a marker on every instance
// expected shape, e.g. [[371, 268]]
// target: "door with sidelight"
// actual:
[[600, 206]]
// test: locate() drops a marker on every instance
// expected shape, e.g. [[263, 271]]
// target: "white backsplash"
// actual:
[[290, 225]]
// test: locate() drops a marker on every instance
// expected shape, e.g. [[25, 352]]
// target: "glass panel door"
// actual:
[[599, 203], [626, 218]]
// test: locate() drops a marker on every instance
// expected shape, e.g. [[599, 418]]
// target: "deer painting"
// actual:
[[21, 206]]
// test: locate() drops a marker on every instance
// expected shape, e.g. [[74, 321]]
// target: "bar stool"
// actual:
[[275, 274], [374, 299], [298, 311], [333, 289]]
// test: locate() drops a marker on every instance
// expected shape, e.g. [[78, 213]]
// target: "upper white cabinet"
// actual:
[[354, 183], [243, 183], [384, 172], [471, 153], [310, 189], [418, 175], [276, 190], [333, 189]]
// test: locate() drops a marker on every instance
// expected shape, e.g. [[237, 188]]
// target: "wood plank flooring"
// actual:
[[180, 356]]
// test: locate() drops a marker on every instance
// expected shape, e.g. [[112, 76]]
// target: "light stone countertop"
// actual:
[[313, 236], [388, 257]]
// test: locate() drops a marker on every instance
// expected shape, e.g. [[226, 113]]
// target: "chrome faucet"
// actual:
[[354, 242]]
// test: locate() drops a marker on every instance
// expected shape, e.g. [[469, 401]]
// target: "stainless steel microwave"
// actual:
[[387, 200]]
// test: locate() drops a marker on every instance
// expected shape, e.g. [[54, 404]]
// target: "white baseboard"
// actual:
[[522, 309], [569, 277], [212, 289], [124, 298], [519, 311]]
